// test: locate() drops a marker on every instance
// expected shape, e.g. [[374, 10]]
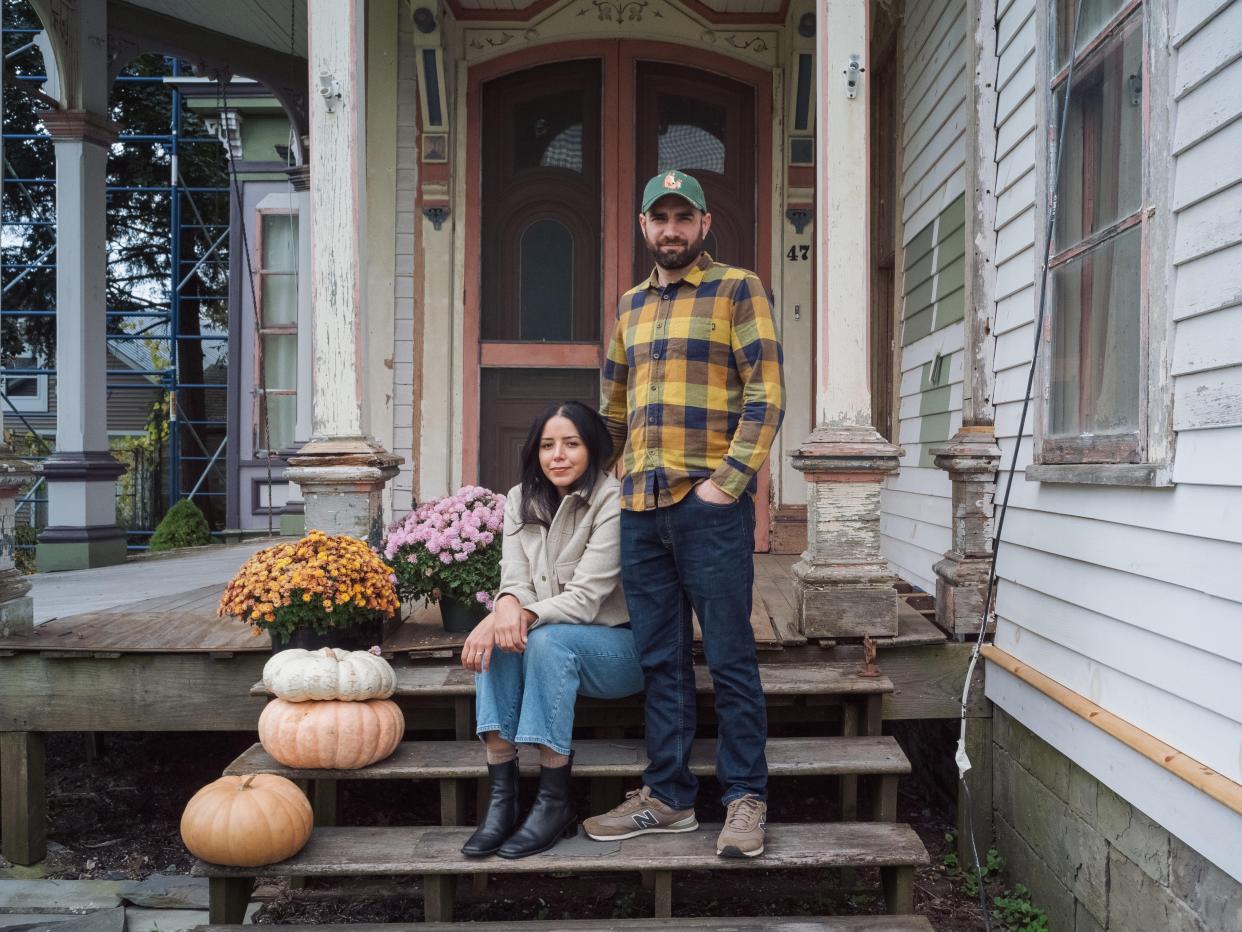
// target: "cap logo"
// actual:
[[672, 182]]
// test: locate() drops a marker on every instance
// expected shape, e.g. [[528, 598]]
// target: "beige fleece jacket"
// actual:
[[570, 571]]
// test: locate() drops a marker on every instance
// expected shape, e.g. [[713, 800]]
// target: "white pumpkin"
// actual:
[[330, 673]]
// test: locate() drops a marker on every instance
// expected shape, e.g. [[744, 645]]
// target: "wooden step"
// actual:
[[703, 923], [440, 760], [779, 679], [435, 852]]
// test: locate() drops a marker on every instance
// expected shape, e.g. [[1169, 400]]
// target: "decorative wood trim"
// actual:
[[79, 126], [551, 355], [699, 9], [1200, 776]]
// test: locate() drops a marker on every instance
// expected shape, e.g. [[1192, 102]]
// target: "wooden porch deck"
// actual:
[[167, 604], [139, 647]]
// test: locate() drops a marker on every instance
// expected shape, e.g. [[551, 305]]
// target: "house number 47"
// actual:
[[798, 253]]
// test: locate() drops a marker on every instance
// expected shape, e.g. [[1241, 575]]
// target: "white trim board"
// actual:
[[1194, 817]]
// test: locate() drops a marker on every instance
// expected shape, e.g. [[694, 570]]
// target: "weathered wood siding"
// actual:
[[1132, 596], [404, 288], [915, 504]]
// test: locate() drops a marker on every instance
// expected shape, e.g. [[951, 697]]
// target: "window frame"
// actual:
[[259, 418], [1123, 459], [26, 404]]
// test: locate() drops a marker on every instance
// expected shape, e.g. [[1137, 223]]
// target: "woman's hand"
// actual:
[[476, 653], [512, 622]]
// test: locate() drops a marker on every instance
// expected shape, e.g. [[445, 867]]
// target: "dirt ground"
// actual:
[[115, 807]]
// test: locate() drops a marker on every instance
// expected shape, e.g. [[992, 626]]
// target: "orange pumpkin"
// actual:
[[247, 821], [331, 735]]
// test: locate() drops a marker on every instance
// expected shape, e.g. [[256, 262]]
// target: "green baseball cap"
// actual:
[[674, 182]]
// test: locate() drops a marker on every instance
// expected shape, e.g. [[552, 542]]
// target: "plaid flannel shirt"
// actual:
[[693, 386]]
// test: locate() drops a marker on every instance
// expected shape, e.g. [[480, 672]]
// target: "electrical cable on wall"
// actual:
[[960, 757]]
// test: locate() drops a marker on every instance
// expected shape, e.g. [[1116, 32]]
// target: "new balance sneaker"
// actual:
[[639, 814], [742, 835]]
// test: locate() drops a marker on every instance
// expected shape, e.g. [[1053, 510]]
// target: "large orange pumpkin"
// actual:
[[331, 735], [247, 821]]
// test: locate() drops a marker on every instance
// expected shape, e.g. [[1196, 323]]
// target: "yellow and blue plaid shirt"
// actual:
[[693, 386]]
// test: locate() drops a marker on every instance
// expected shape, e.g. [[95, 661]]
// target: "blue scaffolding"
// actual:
[[132, 331]]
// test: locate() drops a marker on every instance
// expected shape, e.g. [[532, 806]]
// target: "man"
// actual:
[[693, 392]]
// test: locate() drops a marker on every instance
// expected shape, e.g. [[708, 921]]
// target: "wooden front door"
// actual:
[[563, 150]]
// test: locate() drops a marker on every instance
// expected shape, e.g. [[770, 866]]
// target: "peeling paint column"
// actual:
[[341, 471], [844, 587], [81, 474], [971, 457]]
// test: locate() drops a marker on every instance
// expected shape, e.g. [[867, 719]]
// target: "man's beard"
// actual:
[[678, 259]]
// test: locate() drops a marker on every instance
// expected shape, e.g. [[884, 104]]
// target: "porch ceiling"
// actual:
[[260, 22]]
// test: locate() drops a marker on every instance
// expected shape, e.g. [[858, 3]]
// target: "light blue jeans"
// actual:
[[529, 697]]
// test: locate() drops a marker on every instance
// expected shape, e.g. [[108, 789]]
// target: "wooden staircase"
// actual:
[[861, 758]]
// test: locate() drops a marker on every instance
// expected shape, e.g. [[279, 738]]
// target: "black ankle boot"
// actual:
[[551, 818], [501, 817]]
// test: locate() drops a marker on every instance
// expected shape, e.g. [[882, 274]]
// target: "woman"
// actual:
[[559, 628]]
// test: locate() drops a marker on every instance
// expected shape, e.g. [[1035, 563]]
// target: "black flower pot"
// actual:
[[460, 617], [361, 636]]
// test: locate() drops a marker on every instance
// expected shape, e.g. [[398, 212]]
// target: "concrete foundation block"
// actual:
[[1070, 847], [1084, 921], [1133, 834], [1082, 792], [1209, 891], [1138, 902], [1048, 765], [1024, 866]]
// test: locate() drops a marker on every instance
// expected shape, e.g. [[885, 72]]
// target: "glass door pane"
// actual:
[[541, 205]]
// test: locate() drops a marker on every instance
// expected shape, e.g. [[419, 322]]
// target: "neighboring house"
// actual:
[[444, 257], [132, 393]]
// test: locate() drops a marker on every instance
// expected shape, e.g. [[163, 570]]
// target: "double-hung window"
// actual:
[[1095, 351], [277, 362]]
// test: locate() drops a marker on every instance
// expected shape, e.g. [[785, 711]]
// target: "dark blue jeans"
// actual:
[[695, 554]]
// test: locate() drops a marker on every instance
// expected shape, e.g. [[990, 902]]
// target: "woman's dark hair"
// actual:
[[540, 497]]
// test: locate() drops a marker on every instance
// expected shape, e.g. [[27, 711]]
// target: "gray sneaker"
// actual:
[[742, 835], [639, 814]]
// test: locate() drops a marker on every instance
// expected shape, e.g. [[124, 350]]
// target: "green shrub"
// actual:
[[183, 526]]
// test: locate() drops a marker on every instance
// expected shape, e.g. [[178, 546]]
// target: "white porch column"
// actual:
[[81, 474], [844, 587], [342, 472]]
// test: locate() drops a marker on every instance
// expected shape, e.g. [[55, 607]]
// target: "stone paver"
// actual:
[[171, 920], [167, 891], [58, 896], [18, 922], [102, 920]]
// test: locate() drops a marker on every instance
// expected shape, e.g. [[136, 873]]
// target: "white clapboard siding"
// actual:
[[1208, 623], [404, 284], [1209, 341], [1164, 715], [915, 504]]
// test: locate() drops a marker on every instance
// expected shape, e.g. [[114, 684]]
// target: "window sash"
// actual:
[[262, 441], [1122, 446], [1093, 46]]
